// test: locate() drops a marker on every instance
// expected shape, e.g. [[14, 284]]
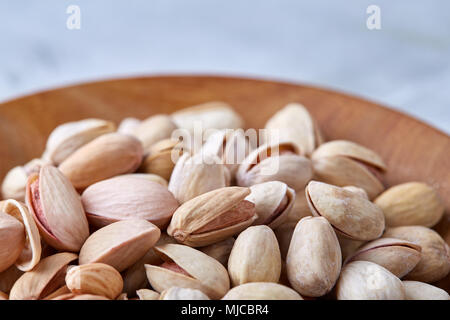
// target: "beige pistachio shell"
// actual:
[[196, 175], [12, 240], [277, 162], [415, 290], [357, 190], [31, 252], [147, 294], [57, 210], [273, 201], [412, 203], [8, 278], [68, 137], [255, 257], [435, 262], [364, 280], [210, 115], [262, 291], [148, 176], [212, 217], [128, 125], [397, 256], [60, 291], [45, 278], [120, 244], [349, 213], [104, 157], [73, 296], [220, 250], [314, 258], [176, 293], [95, 278], [154, 129], [284, 235], [122, 198], [14, 184], [300, 207], [206, 274], [294, 123]]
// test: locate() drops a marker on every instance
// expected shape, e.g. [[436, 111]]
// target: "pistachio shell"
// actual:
[[73, 296], [120, 244], [435, 262], [176, 293], [415, 290], [128, 125], [220, 250], [357, 190], [14, 183], [255, 257], [104, 157], [147, 294], [412, 203], [148, 176], [57, 210], [58, 292], [122, 198], [349, 213], [154, 129], [46, 277], [363, 280], [397, 256], [205, 273], [284, 235], [314, 257], [12, 240], [262, 291]]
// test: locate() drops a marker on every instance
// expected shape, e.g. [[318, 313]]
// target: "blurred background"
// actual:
[[404, 65]]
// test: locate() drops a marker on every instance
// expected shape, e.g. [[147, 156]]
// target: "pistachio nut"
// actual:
[[147, 294], [176, 293], [357, 190], [350, 214], [255, 257], [262, 291], [412, 203], [188, 268], [154, 129], [220, 250], [57, 210], [46, 277], [120, 244], [280, 162], [128, 125], [435, 262], [397, 256], [95, 278], [14, 184], [284, 235], [294, 123], [344, 163], [12, 240], [65, 139], [122, 198], [196, 175], [273, 201], [148, 176], [364, 280], [314, 257], [73, 296], [415, 290], [104, 157], [212, 217]]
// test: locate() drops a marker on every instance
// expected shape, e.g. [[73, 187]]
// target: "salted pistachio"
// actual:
[[357, 190], [435, 262], [65, 139], [273, 201], [350, 214], [147, 294], [57, 210], [397, 256], [120, 244], [262, 291], [209, 115], [300, 208], [348, 246], [104, 157], [364, 280], [128, 125], [154, 129], [220, 250], [412, 203], [46, 277], [314, 257], [284, 235], [255, 257], [95, 278], [12, 240], [31, 252], [196, 175], [275, 162], [148, 176], [212, 217], [74, 296], [122, 198], [177, 293], [344, 163], [8, 278], [188, 268], [416, 290], [294, 123]]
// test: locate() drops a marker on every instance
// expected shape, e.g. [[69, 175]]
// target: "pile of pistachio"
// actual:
[[106, 213]]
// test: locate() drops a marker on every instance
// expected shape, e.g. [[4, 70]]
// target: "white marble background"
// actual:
[[405, 65]]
